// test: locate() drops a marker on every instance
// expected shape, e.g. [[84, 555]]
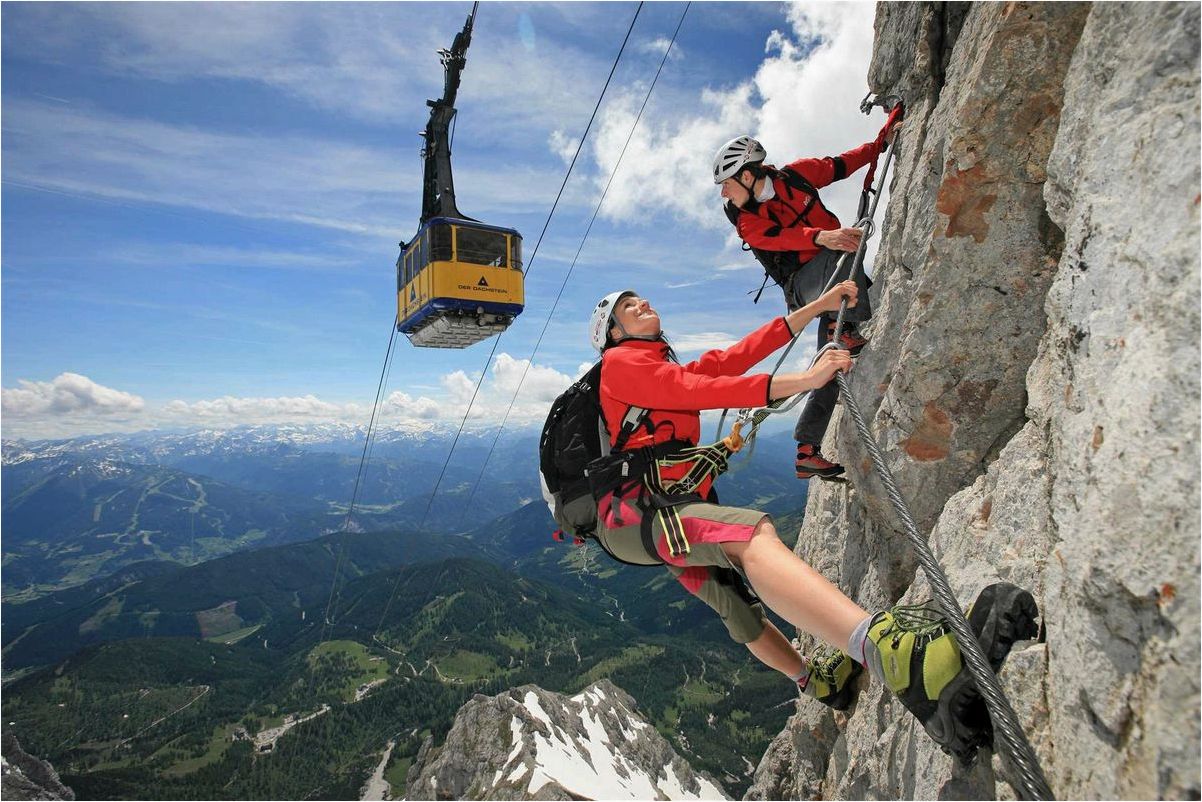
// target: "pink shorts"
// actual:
[[705, 571]]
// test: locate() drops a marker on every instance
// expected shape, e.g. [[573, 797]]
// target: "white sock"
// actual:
[[802, 677], [855, 644]]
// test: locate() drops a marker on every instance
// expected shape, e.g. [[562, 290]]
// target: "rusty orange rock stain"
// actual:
[[1167, 593], [985, 511], [931, 438], [963, 199]]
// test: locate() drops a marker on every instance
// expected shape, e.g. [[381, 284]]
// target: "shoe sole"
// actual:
[[842, 700], [1002, 615], [830, 473]]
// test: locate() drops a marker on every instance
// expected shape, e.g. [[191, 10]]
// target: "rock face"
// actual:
[[528, 743], [23, 776], [1033, 380]]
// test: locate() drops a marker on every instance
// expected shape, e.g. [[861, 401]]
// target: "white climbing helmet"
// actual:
[[601, 321], [735, 155]]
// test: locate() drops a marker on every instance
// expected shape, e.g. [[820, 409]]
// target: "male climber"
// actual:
[[780, 216]]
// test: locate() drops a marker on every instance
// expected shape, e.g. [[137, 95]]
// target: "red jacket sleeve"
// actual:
[[760, 232], [745, 354], [641, 378], [821, 172]]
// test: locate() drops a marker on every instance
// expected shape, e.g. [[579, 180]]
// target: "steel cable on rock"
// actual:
[[1018, 747], [1032, 782], [1005, 721]]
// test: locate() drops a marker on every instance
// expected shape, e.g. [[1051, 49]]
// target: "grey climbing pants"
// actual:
[[805, 286]]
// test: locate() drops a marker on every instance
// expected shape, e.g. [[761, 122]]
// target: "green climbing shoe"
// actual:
[[920, 661], [833, 677]]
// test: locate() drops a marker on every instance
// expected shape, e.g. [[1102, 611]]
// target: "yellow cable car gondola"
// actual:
[[459, 281]]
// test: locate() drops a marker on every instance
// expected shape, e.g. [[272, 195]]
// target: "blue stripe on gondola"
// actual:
[[440, 305]]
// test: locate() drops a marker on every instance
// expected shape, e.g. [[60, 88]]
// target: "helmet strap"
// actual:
[[614, 324], [756, 175]]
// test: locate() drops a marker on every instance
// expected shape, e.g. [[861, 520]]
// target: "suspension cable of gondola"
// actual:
[[364, 458], [572, 266], [496, 342]]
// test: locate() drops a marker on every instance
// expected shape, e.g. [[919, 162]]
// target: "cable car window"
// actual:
[[440, 243], [515, 253], [481, 247]]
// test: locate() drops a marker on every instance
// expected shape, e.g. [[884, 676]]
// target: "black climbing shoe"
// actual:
[[833, 678], [920, 661]]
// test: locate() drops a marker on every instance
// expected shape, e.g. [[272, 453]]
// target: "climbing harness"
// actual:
[[616, 474]]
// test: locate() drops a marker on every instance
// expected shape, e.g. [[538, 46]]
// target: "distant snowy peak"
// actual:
[[159, 446], [528, 743]]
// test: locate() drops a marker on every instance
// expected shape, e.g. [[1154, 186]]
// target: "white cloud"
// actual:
[[72, 405], [563, 146], [399, 405], [233, 411], [703, 341], [345, 187], [68, 394], [657, 46], [373, 62], [802, 101]]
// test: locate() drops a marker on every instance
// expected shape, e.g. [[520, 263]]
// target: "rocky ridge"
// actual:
[[23, 776], [528, 743], [1033, 380]]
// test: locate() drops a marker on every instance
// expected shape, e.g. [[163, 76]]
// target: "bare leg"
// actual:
[[773, 649], [794, 590]]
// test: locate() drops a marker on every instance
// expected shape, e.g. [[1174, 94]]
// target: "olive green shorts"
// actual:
[[705, 571]]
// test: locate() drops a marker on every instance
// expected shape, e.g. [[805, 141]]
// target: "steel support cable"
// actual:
[[563, 285], [1019, 749], [529, 266], [1032, 782], [363, 460]]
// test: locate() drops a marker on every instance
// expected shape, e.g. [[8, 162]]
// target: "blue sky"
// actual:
[[202, 202]]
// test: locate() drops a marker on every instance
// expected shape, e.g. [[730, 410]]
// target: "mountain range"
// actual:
[[172, 665]]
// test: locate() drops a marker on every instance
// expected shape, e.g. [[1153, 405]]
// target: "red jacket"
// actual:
[[638, 373], [791, 219]]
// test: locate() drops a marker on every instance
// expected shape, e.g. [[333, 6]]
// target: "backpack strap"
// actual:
[[634, 418], [775, 263], [796, 180]]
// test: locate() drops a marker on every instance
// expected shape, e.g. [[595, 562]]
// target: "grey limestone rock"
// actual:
[[24, 776], [1033, 379]]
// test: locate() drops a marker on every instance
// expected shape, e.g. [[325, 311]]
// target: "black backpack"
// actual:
[[574, 435], [778, 265]]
